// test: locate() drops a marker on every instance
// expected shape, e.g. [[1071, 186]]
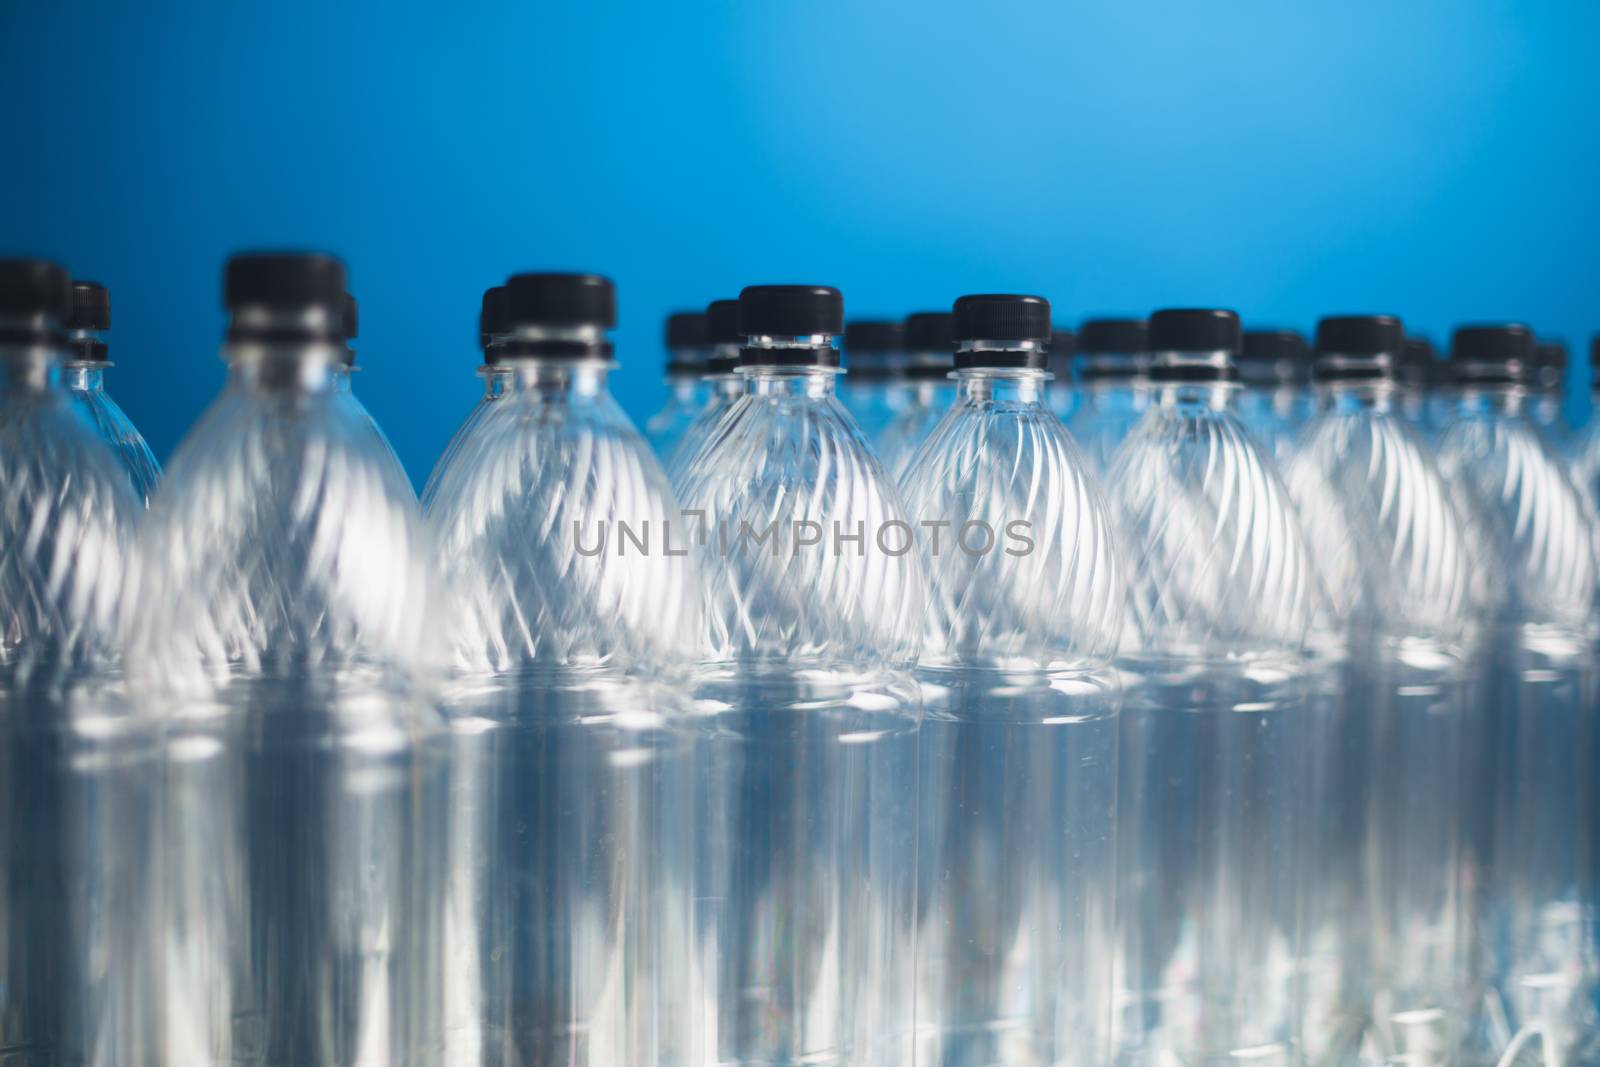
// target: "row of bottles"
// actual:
[[959, 733]]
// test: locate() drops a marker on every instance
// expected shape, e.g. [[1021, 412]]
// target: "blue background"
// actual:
[[1440, 159]]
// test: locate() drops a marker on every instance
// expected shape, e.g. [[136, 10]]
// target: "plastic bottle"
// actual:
[[287, 629], [806, 775], [492, 333], [80, 978], [1387, 965], [1275, 402], [1062, 395], [1215, 724], [874, 391], [1531, 760], [725, 382], [1546, 395], [927, 373], [1019, 737], [84, 377], [686, 386], [568, 928], [1113, 386]]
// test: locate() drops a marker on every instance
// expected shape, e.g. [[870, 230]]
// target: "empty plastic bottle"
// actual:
[[287, 628], [1275, 402], [1113, 386], [1417, 375], [1062, 395], [567, 936], [723, 379], [80, 771], [84, 377], [1387, 961], [806, 818], [1546, 395], [492, 334], [1215, 722], [1531, 820], [874, 391], [927, 373], [1016, 865], [686, 385]]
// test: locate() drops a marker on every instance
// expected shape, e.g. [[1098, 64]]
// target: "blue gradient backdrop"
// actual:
[[1441, 159]]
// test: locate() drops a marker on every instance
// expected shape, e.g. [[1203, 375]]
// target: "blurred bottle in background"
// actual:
[[927, 372], [567, 935], [1531, 821], [1061, 396], [1215, 723], [492, 333], [1019, 737], [686, 386], [1275, 402], [874, 390], [1547, 392], [806, 765], [723, 380], [1386, 954], [1416, 376], [80, 771], [287, 630], [84, 375], [1113, 388]]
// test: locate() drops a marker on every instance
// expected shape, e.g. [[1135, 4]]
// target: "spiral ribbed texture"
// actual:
[[791, 457], [1055, 599], [1530, 525], [284, 537], [1384, 532], [558, 536], [1218, 566], [65, 515], [124, 438]]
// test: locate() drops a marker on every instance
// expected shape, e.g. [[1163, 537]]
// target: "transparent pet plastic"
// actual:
[[568, 927], [806, 755], [1275, 415], [448, 466], [85, 383], [286, 629], [725, 389], [927, 403], [1385, 929], [1214, 731], [1107, 410], [686, 398], [875, 401], [1019, 738], [1532, 819]]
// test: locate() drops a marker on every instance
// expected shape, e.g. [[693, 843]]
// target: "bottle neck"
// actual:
[[1001, 385], [807, 382], [305, 369], [686, 388], [1368, 394], [84, 377], [29, 369], [1192, 396], [551, 378], [1499, 398]]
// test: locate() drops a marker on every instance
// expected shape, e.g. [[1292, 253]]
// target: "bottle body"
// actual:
[[726, 389], [1107, 411], [687, 395], [930, 397], [85, 385], [445, 468]]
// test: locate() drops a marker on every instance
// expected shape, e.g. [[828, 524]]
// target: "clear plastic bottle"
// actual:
[[1546, 393], [568, 915], [806, 774], [491, 335], [1113, 386], [1275, 402], [80, 978], [686, 385], [875, 390], [1215, 721], [1386, 958], [927, 374], [1062, 394], [723, 379], [1416, 375], [1018, 767], [286, 628], [1531, 817], [84, 376]]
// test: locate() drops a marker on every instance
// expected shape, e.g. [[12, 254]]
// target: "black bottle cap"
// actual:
[[491, 316], [1420, 366], [1005, 318], [34, 301], [350, 327], [1211, 332], [930, 344], [1062, 347], [791, 311], [89, 312], [288, 297], [1114, 336], [1549, 365], [1359, 347], [685, 336], [722, 331], [1594, 352], [564, 302], [1492, 354], [1273, 346], [870, 346]]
